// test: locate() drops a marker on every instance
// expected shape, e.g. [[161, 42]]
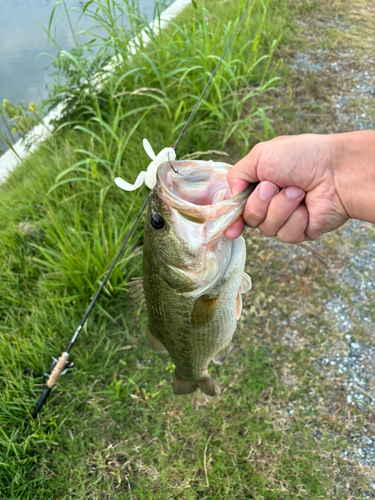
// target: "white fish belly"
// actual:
[[208, 340]]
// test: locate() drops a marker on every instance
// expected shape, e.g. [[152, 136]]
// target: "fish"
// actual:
[[193, 275]]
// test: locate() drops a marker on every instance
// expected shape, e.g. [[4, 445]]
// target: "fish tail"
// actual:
[[182, 386]]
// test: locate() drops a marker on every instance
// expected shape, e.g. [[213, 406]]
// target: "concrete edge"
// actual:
[[9, 160]]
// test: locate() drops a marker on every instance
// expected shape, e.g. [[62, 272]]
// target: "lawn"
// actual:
[[112, 427]]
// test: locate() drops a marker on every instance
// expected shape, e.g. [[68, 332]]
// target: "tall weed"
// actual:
[[164, 78], [149, 93]]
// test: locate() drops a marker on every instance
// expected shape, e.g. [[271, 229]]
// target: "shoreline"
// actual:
[[9, 160]]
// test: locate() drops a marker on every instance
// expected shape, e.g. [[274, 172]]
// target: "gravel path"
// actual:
[[346, 357], [342, 100]]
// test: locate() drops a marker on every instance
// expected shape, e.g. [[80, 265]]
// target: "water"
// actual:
[[23, 75]]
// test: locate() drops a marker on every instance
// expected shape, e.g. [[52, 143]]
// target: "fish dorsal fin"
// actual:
[[246, 283], [204, 310], [135, 287]]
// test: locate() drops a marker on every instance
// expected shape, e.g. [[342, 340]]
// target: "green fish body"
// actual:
[[193, 275]]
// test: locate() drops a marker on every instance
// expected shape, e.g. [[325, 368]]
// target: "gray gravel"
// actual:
[[355, 367], [347, 359], [355, 101], [350, 362]]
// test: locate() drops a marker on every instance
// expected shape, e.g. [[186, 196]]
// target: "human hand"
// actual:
[[298, 196]]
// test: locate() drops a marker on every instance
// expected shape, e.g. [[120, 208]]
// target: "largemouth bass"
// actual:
[[193, 275]]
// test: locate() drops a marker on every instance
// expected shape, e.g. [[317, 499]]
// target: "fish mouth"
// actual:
[[199, 191], [194, 182], [197, 182], [201, 208]]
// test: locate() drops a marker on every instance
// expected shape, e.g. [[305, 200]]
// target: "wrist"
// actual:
[[354, 173]]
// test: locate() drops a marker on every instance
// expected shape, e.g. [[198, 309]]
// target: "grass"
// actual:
[[112, 428]]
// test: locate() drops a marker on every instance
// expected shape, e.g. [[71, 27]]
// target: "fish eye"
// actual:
[[157, 221]]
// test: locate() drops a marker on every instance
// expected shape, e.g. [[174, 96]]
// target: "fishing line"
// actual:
[[212, 75], [59, 365]]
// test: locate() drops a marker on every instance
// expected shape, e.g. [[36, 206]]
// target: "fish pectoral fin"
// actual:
[[238, 309], [155, 344], [246, 283], [181, 386], [222, 355], [245, 287], [204, 310]]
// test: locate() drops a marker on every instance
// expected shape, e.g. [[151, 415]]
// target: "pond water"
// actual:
[[23, 75]]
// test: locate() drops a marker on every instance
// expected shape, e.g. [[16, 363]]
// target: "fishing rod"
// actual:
[[59, 366]]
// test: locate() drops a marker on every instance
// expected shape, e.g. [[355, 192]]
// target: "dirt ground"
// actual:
[[326, 289]]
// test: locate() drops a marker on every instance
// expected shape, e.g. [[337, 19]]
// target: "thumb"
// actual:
[[244, 172]]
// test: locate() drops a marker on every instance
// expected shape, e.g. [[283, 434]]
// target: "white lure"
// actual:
[[149, 176]]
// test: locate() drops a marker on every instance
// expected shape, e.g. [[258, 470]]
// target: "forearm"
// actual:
[[354, 173]]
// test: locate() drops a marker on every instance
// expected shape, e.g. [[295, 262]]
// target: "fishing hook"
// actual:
[[172, 167]]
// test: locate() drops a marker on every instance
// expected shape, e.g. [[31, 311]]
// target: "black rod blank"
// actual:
[[61, 363]]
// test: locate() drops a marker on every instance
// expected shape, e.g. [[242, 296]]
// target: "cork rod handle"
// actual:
[[56, 372]]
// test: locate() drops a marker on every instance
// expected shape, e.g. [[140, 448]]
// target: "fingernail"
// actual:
[[293, 193], [267, 190]]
